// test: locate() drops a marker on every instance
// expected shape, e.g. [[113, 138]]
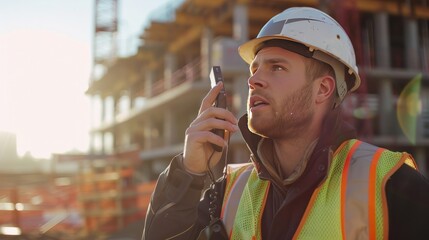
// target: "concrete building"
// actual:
[[145, 102]]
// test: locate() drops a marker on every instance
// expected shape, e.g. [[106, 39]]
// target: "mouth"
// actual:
[[257, 101]]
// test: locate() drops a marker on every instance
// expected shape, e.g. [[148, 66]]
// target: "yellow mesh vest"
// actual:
[[247, 216], [356, 180], [247, 224], [358, 171]]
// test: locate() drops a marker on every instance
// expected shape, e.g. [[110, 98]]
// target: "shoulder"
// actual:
[[407, 193], [373, 152], [408, 180]]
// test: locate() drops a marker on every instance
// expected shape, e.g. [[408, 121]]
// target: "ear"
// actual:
[[325, 88]]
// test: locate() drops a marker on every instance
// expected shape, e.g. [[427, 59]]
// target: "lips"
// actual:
[[257, 101]]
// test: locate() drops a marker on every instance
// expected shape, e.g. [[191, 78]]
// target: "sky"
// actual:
[[45, 67]]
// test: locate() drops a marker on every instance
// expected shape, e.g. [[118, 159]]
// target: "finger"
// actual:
[[198, 149], [214, 123], [214, 112], [210, 97], [206, 137]]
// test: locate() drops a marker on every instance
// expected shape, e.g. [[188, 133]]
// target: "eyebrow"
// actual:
[[274, 60]]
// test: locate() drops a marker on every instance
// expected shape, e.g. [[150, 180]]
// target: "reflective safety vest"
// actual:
[[349, 204]]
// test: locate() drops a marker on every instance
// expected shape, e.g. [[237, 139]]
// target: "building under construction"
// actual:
[[142, 104]]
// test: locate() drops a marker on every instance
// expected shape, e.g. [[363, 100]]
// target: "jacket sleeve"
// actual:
[[177, 209], [407, 193]]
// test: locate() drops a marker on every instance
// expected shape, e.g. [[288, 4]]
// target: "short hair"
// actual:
[[315, 69]]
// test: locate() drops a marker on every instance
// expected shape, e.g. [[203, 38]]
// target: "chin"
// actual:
[[258, 129]]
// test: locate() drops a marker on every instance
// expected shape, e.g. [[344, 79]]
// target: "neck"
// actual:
[[291, 152]]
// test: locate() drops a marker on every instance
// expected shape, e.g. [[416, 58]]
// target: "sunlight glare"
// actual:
[[43, 77]]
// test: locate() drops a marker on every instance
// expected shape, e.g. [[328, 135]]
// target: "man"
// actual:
[[309, 177]]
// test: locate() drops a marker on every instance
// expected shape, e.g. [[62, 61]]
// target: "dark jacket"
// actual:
[[177, 212]]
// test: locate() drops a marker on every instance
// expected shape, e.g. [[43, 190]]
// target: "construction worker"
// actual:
[[308, 177]]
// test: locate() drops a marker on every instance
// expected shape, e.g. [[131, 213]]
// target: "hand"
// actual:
[[198, 137]]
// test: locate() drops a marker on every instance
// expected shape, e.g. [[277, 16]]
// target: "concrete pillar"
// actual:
[[129, 101], [104, 119], [206, 52], [108, 141], [149, 79], [240, 90], [115, 107], [132, 96], [170, 65], [147, 134], [387, 115], [123, 102], [105, 109], [240, 23], [241, 35], [425, 46], [102, 110], [382, 51], [100, 137], [412, 48], [382, 40], [96, 119], [169, 127]]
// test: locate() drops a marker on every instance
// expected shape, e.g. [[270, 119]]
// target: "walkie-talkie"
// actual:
[[215, 77]]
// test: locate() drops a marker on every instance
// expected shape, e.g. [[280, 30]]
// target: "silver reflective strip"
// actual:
[[356, 205], [233, 199]]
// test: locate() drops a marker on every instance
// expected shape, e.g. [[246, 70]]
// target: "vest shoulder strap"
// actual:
[[351, 203], [237, 177]]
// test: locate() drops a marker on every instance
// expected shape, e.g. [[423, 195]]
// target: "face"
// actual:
[[280, 95]]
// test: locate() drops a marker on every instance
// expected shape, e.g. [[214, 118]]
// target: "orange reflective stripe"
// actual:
[[306, 213], [344, 185], [371, 194]]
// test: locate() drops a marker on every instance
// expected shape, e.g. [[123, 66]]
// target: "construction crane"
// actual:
[[105, 36]]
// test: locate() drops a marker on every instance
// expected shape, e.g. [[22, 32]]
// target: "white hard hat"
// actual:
[[324, 39]]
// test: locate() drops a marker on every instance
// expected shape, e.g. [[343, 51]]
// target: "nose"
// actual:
[[256, 81]]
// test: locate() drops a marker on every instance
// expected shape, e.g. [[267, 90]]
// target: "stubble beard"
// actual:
[[290, 118]]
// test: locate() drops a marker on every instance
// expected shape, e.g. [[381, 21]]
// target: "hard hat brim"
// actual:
[[248, 50]]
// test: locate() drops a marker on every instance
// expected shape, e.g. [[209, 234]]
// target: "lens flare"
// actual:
[[409, 107]]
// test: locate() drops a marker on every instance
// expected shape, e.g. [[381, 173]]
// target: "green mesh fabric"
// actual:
[[324, 218], [387, 162], [249, 213]]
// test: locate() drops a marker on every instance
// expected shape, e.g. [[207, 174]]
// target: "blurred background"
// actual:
[[95, 97]]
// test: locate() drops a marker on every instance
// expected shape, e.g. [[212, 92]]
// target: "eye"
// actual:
[[275, 68]]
